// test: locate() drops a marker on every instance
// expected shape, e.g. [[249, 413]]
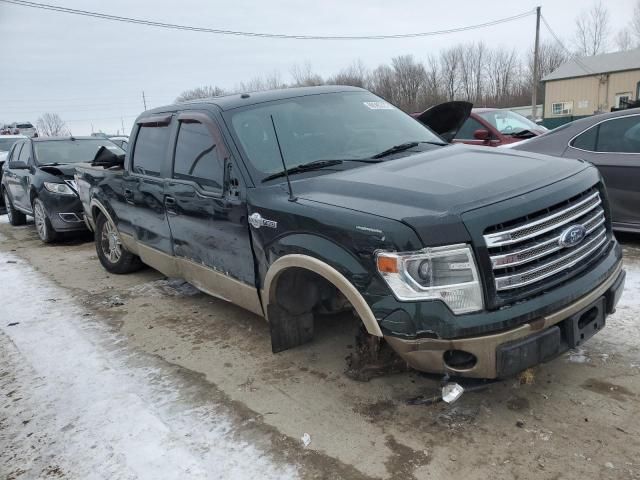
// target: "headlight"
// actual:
[[59, 188], [440, 273]]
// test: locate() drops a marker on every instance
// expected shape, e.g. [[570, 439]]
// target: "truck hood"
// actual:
[[436, 187]]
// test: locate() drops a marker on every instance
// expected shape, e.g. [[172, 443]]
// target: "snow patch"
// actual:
[[96, 409]]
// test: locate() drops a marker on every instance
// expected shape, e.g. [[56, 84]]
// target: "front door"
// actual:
[[143, 192], [207, 214]]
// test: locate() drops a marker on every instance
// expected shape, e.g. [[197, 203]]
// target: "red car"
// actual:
[[459, 122]]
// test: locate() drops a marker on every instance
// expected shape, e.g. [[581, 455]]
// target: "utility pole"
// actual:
[[144, 100], [122, 121], [534, 90]]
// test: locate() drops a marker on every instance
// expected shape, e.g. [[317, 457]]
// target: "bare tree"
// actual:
[[200, 92], [592, 30], [303, 76], [624, 40], [383, 83], [51, 125], [355, 75], [472, 59], [503, 76], [634, 24], [410, 79], [432, 93], [450, 70]]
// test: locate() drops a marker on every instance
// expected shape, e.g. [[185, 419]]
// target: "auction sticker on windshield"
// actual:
[[379, 105]]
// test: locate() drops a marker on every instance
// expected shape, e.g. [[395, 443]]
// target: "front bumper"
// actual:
[[65, 212], [505, 353]]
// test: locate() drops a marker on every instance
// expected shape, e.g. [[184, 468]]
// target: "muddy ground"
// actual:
[[580, 418]]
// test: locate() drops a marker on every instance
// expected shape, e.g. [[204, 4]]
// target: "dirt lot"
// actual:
[[580, 418]]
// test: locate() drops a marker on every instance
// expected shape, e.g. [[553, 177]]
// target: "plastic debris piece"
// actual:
[[452, 392], [306, 439]]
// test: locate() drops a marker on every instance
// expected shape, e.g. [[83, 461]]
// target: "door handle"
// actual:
[[128, 195], [170, 205]]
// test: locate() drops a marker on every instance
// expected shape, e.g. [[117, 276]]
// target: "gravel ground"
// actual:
[[140, 376]]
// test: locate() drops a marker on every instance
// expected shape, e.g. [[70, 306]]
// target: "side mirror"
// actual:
[[482, 134], [17, 165]]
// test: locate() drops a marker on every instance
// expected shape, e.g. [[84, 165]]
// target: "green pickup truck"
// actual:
[[467, 260]]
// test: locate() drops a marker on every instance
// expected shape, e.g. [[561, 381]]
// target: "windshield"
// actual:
[[335, 126], [6, 143], [24, 125], [508, 122], [72, 151]]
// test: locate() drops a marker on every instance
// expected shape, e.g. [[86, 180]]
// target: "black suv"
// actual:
[[290, 203], [38, 180]]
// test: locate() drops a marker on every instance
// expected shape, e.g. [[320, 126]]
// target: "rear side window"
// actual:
[[467, 129], [198, 156], [621, 135], [25, 153], [150, 149], [587, 139], [15, 152]]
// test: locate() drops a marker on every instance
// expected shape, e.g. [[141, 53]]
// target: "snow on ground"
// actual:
[[77, 404]]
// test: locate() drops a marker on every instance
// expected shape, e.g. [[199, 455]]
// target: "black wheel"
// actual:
[[15, 217], [112, 253], [43, 225]]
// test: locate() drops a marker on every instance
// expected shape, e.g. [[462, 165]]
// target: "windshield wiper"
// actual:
[[316, 165], [404, 146]]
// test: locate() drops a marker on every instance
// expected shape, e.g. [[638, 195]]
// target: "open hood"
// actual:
[[446, 118]]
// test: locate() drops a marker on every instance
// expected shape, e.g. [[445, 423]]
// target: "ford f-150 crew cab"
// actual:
[[468, 261]]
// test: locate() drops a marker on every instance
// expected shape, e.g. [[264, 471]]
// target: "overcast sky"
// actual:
[[93, 71]]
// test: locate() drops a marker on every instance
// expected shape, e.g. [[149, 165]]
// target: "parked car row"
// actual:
[[468, 260], [38, 180], [19, 128]]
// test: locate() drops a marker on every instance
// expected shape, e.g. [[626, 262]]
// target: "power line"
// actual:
[[151, 23], [571, 54]]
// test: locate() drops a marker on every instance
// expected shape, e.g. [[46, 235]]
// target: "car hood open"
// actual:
[[446, 118], [440, 184]]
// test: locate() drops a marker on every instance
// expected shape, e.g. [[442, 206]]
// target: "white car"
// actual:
[[23, 128], [6, 142]]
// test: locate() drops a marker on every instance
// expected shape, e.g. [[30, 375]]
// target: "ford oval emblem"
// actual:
[[572, 236]]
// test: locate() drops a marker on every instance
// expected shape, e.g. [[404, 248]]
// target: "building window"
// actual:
[[562, 108], [622, 99]]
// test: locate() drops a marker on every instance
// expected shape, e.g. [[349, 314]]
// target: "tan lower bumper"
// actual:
[[427, 354]]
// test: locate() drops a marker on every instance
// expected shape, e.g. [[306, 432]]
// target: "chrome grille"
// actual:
[[528, 250]]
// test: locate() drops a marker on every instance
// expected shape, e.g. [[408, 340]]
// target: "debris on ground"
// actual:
[[527, 377], [452, 392], [372, 357], [306, 439], [520, 424], [13, 324]]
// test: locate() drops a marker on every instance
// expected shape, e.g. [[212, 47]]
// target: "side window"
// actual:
[[14, 154], [150, 149], [197, 157], [621, 135], [587, 139], [25, 153], [467, 129]]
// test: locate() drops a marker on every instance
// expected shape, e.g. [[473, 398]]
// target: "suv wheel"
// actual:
[[43, 225], [112, 253], [15, 217]]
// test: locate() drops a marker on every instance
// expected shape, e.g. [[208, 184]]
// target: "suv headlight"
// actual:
[[438, 273], [59, 188]]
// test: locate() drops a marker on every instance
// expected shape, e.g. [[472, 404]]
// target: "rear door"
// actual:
[[142, 213], [9, 176], [21, 181], [208, 214], [614, 147]]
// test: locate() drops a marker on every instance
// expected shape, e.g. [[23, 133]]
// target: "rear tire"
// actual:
[[113, 255], [16, 218], [44, 228]]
